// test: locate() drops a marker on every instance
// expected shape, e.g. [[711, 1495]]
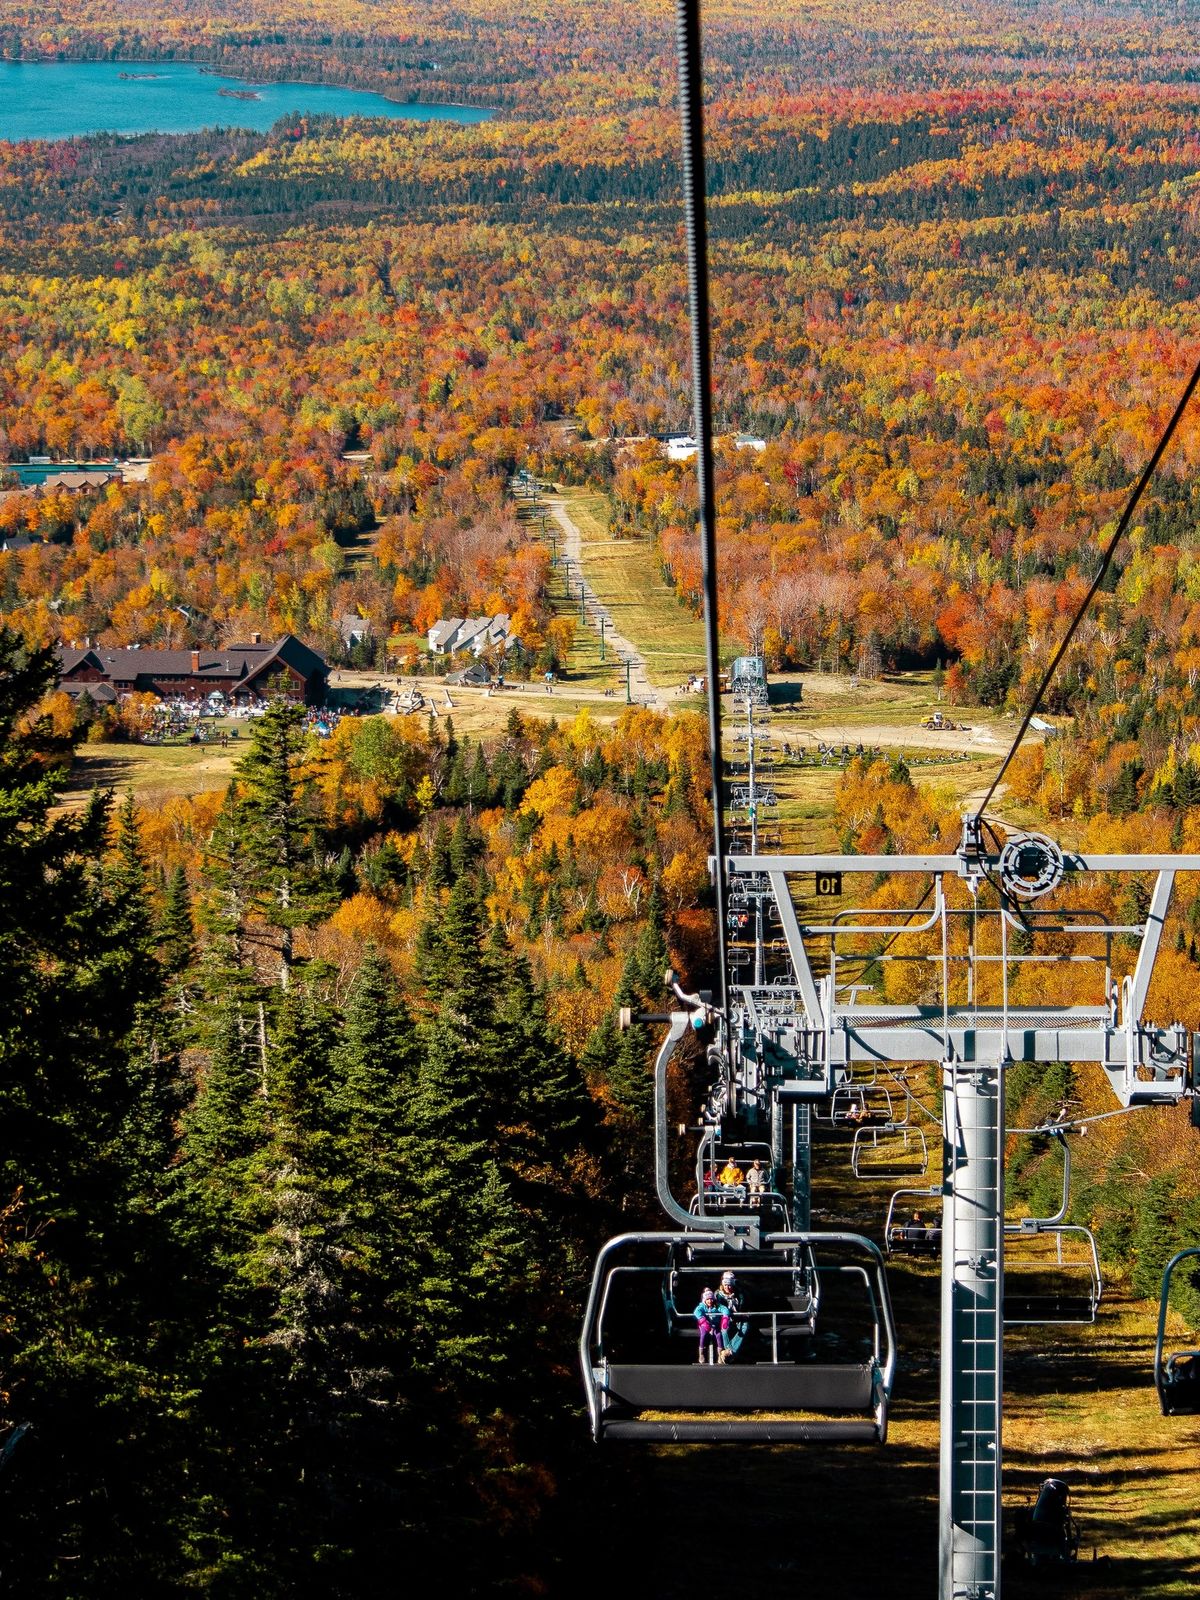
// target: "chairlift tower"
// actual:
[[803, 1041], [753, 811]]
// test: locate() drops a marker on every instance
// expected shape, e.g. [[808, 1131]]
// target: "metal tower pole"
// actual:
[[801, 1167], [972, 1331], [752, 790]]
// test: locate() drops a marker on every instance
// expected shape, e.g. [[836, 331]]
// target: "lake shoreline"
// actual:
[[208, 70]]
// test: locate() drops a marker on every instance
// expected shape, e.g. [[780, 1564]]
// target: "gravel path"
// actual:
[[642, 690]]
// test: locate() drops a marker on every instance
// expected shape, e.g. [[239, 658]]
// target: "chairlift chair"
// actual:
[[1177, 1376], [638, 1364], [908, 1237], [1051, 1276], [767, 1204], [847, 1103], [891, 1150], [1052, 1267]]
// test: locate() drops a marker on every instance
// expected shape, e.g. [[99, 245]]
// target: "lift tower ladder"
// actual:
[[796, 1043], [973, 1330]]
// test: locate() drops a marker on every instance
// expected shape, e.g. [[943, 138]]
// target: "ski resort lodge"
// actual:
[[238, 672]]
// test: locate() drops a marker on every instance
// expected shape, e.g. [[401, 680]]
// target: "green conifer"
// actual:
[[176, 931]]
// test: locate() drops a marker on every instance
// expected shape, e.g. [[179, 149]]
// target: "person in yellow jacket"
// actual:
[[731, 1175]]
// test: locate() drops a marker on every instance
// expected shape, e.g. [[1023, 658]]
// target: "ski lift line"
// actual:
[[1110, 551], [1080, 1122], [691, 111], [920, 1105]]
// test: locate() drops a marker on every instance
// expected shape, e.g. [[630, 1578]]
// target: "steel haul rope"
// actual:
[[1110, 551], [691, 111]]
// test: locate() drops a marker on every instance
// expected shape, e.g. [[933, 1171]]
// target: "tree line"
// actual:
[[293, 1250]]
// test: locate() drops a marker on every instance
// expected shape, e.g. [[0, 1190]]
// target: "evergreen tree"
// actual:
[[176, 931], [466, 844], [374, 1064], [455, 792], [546, 1091], [85, 1270], [228, 885], [479, 779], [649, 960], [289, 887], [1155, 1236], [440, 872]]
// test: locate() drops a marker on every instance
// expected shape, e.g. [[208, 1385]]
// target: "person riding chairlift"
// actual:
[[735, 1325], [711, 1319]]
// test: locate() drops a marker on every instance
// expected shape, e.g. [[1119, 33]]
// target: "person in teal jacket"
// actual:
[[710, 1318]]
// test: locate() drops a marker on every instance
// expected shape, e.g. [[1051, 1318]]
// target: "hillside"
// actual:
[[315, 1107]]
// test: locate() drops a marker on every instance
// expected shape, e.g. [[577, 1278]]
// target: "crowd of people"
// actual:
[[202, 720]]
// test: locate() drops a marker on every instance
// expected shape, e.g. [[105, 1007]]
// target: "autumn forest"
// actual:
[[313, 1103]]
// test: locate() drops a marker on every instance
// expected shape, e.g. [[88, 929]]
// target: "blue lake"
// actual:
[[64, 100]]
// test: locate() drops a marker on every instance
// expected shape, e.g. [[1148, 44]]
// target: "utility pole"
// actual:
[[602, 636]]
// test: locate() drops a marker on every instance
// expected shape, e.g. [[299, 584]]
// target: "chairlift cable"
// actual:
[[691, 111], [920, 1104], [1079, 1122], [1110, 551]]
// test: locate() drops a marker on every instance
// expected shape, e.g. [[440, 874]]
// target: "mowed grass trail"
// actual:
[[627, 578]]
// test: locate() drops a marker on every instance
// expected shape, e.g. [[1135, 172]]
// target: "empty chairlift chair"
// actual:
[[1177, 1376], [890, 1150], [1051, 1275], [822, 1377], [1051, 1267]]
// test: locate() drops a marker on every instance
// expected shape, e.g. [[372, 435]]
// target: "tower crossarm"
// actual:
[[801, 1036]]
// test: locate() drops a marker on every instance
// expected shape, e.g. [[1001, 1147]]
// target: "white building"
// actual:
[[477, 634]]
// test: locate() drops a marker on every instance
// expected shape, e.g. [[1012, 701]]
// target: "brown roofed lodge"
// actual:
[[287, 668]]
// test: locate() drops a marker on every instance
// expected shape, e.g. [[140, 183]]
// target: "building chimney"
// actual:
[[195, 661], [256, 638]]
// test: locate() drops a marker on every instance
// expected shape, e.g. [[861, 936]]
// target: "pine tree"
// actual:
[[176, 931], [546, 1091], [289, 887], [479, 779], [228, 888], [374, 1065], [226, 1124], [440, 873], [455, 792], [87, 1290], [648, 963], [466, 844], [1155, 1236]]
